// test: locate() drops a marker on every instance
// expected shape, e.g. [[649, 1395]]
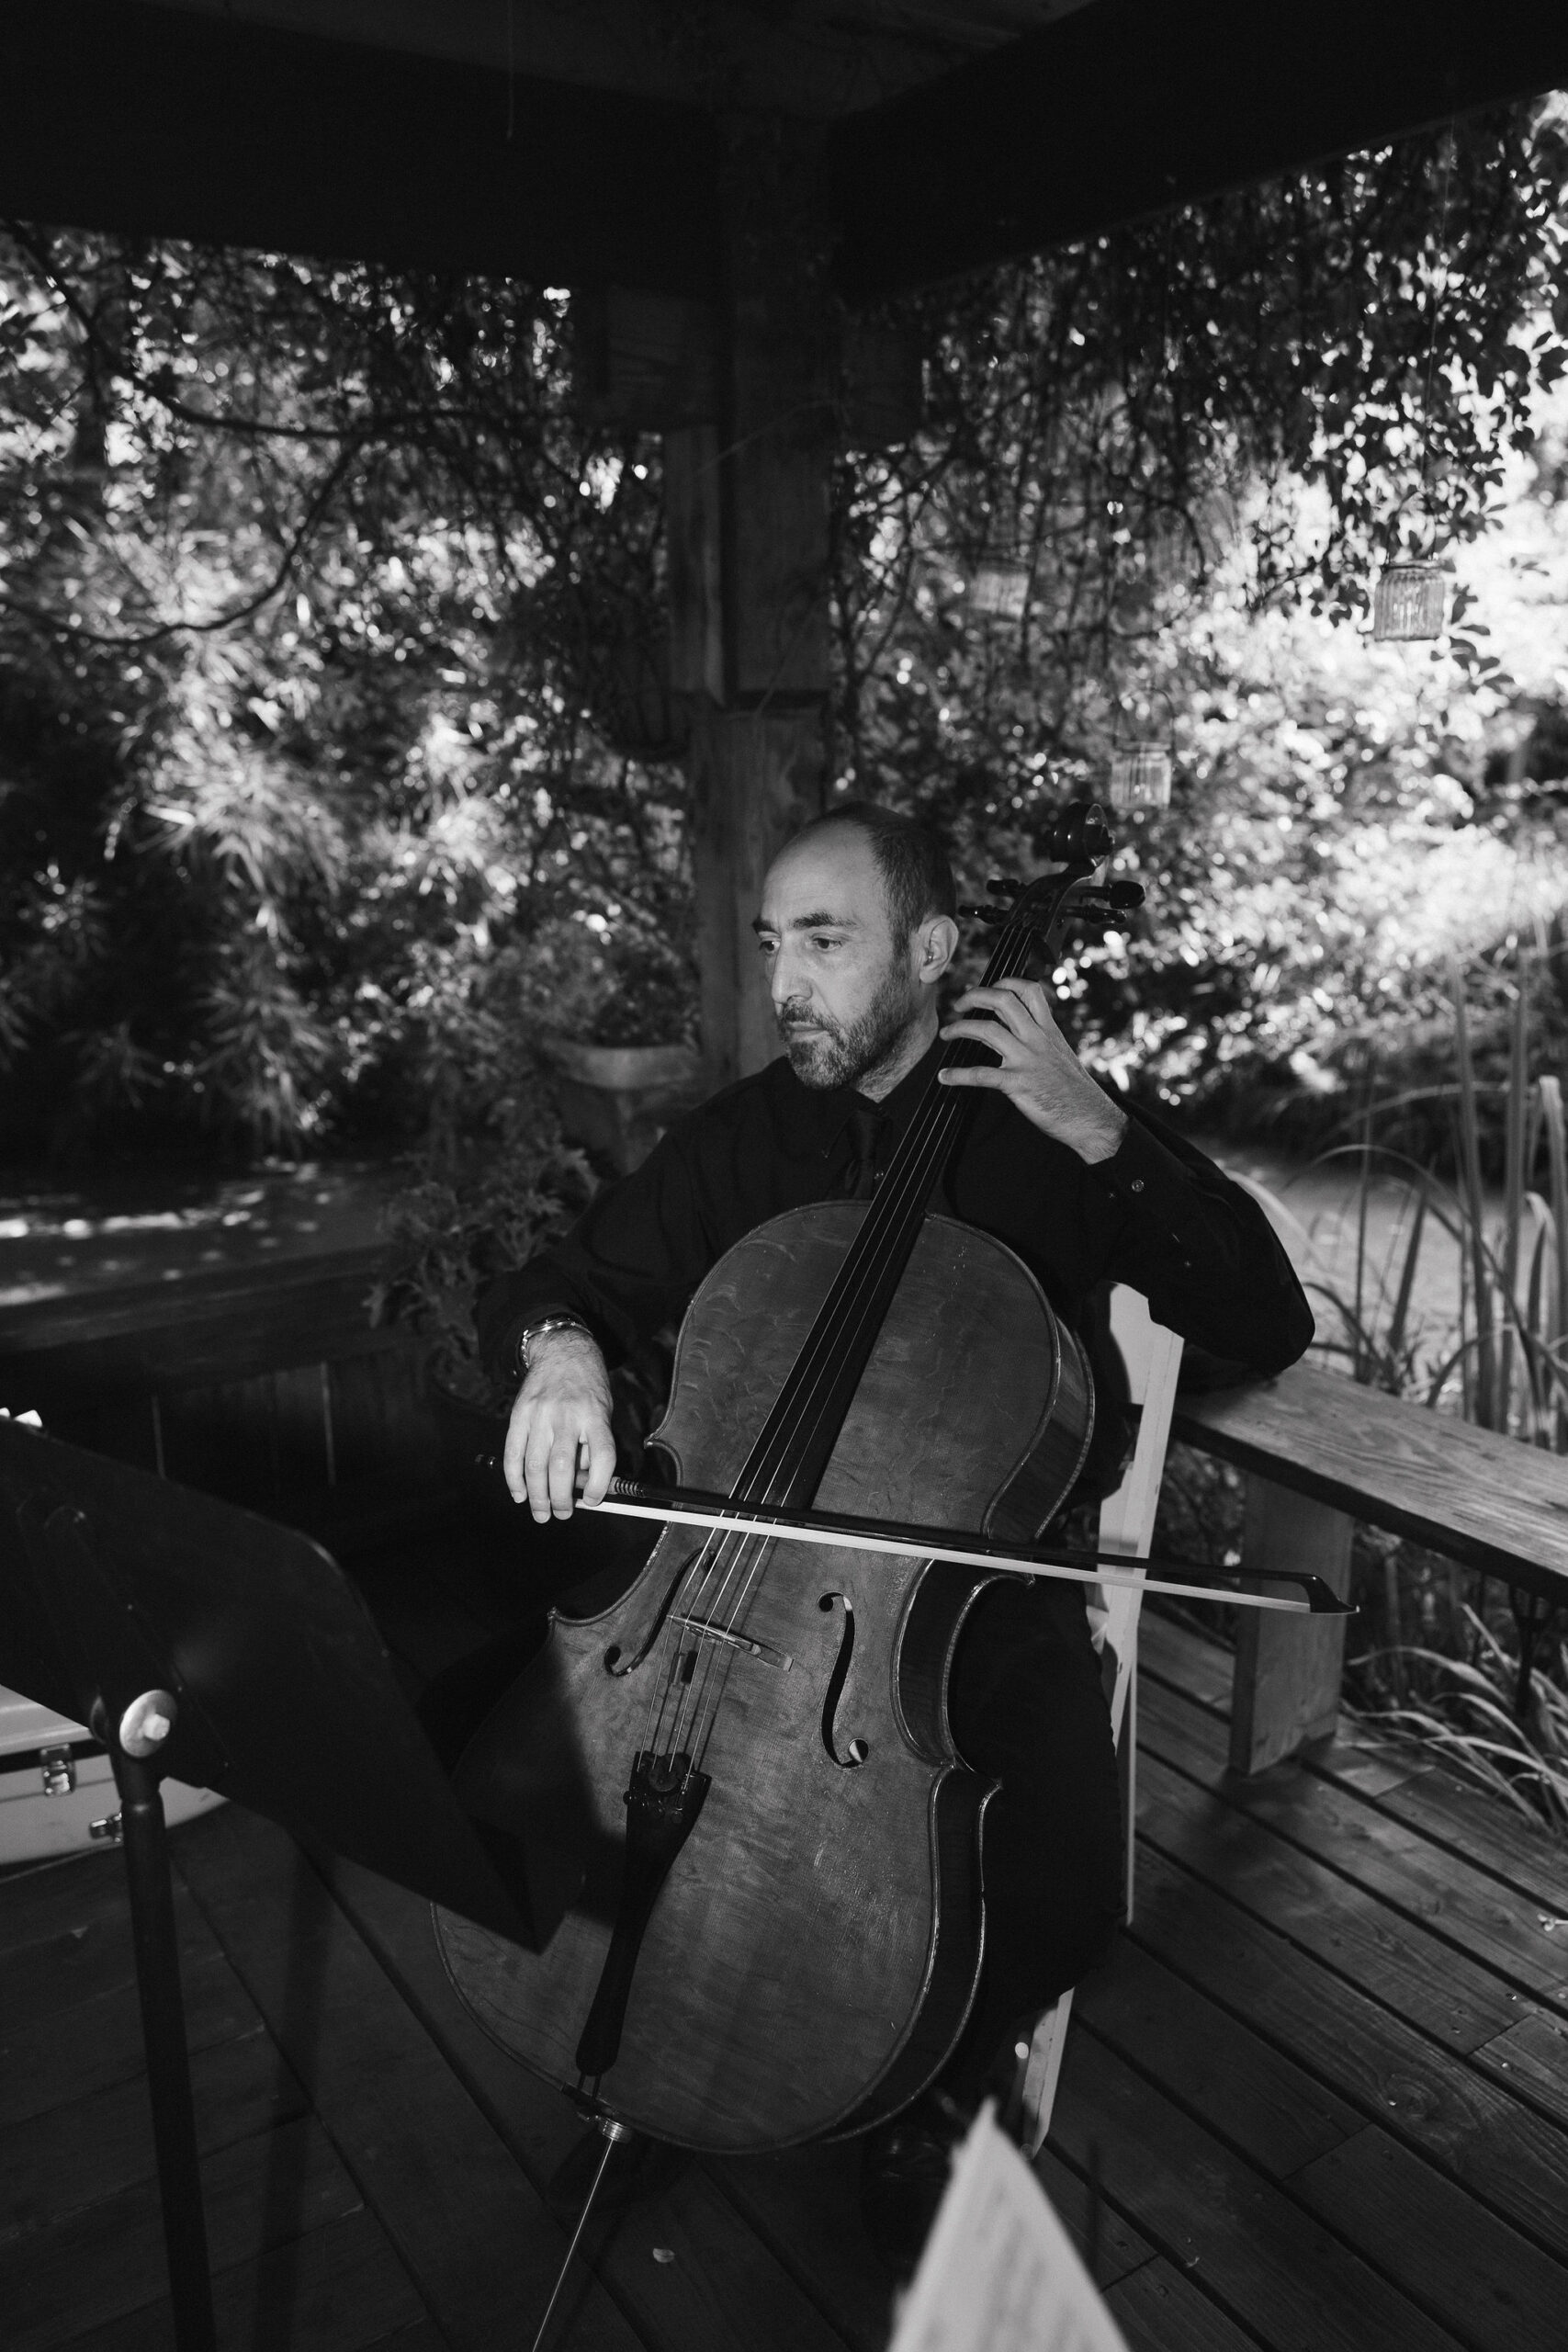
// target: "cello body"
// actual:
[[810, 1958]]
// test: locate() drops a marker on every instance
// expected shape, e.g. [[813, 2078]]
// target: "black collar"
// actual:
[[828, 1108]]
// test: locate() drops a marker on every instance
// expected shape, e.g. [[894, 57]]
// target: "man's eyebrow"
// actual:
[[810, 923]]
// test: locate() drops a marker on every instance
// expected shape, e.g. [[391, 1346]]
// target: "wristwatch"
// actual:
[[537, 1330]]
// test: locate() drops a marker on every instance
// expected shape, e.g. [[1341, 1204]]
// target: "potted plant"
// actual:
[[629, 1065]]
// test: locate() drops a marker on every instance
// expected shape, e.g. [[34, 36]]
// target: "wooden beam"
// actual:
[[1130, 105], [159, 122], [747, 510]]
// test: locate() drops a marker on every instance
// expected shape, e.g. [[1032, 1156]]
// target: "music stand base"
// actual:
[[146, 1842]]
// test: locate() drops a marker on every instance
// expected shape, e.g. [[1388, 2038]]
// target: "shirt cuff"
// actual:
[[1151, 1184]]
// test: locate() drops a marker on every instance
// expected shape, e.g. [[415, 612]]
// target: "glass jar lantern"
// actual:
[[1410, 601], [999, 587], [1141, 774]]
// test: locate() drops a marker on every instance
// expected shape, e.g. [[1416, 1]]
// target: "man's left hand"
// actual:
[[1039, 1070]]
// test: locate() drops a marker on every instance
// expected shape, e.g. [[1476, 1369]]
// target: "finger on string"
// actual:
[[998, 1034], [1006, 1010]]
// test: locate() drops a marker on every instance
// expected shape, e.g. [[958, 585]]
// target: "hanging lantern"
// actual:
[[1141, 775], [1409, 601], [1143, 767], [999, 587]]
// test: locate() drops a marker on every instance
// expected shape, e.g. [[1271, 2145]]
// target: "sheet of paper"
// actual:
[[1000, 2273]]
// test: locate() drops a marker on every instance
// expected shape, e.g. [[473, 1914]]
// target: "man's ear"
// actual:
[[936, 943]]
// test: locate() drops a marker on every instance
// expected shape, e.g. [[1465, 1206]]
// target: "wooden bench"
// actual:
[[1319, 1454]]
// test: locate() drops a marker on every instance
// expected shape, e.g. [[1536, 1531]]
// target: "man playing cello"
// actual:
[[857, 930]]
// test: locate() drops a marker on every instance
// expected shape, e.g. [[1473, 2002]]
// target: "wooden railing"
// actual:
[[267, 1385], [1321, 1452]]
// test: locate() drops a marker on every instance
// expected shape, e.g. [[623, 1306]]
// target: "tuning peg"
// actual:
[[1079, 833], [983, 914], [1001, 886], [1125, 895]]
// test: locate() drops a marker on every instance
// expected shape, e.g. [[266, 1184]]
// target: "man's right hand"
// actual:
[[562, 1411]]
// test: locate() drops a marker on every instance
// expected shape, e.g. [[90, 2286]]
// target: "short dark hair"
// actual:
[[917, 875]]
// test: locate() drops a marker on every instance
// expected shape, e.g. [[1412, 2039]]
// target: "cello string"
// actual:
[[694, 1689], [714, 1664], [667, 1649]]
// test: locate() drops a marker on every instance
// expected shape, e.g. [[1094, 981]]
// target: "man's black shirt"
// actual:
[[1157, 1214]]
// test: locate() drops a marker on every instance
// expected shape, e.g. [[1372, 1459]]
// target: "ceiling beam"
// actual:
[[1130, 105], [162, 122]]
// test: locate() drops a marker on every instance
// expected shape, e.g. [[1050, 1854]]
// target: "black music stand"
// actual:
[[202, 1642]]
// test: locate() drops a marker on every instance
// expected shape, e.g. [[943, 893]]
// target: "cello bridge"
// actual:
[[706, 1631]]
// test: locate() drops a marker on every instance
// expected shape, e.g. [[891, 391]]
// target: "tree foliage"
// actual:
[[313, 594], [323, 612]]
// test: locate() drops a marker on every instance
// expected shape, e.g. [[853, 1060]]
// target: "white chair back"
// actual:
[[1153, 1358]]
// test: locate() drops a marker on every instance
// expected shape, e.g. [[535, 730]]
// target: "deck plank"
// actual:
[[1371, 2060], [43, 2064], [1450, 1815], [1243, 2241], [1531, 2059], [1159, 2309], [1401, 1778], [1248, 2090], [65, 1934], [1495, 2289], [85, 2150], [804, 2205], [468, 2227], [1436, 1892], [339, 2289], [1340, 1924], [107, 2260]]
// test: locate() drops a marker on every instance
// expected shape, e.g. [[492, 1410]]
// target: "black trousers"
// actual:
[[1027, 1707], [1028, 1710]]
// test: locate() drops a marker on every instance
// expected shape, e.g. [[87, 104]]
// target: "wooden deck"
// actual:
[[1324, 2084]]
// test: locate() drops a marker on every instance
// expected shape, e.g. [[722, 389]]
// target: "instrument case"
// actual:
[[57, 1790]]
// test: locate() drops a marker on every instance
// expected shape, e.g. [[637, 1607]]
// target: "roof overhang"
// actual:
[[431, 133]]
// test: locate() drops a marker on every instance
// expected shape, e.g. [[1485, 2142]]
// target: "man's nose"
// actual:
[[783, 980]]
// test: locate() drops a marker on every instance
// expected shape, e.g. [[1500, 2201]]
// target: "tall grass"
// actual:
[[1481, 1675]]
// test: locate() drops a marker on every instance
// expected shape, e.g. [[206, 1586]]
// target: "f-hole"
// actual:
[[856, 1750]]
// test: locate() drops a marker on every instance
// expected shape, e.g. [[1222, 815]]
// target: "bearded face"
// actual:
[[826, 1050]]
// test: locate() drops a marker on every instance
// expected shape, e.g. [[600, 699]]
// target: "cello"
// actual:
[[740, 1776]]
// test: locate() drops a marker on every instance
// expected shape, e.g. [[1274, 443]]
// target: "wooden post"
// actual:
[[747, 509], [1287, 1668]]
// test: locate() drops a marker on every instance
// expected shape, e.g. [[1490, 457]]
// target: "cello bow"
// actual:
[[693, 1507]]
